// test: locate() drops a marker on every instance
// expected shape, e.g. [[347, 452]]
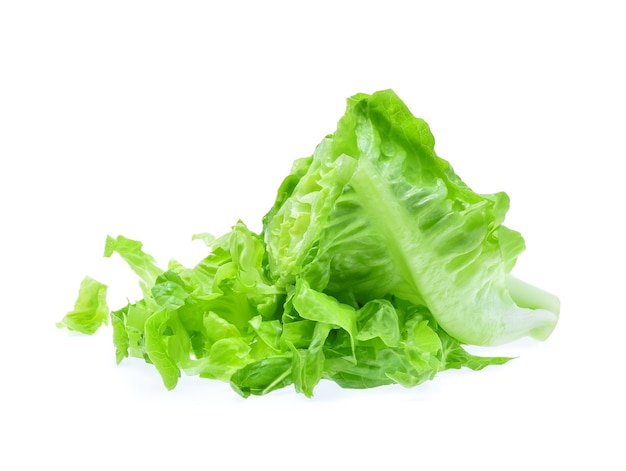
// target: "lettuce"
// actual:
[[90, 310], [377, 212], [375, 265]]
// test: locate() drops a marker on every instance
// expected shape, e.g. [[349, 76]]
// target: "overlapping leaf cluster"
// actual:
[[375, 265]]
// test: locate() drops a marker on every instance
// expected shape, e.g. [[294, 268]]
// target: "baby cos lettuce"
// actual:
[[375, 265], [375, 212]]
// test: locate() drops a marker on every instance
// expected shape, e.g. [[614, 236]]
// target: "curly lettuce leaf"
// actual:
[[90, 310], [140, 262], [199, 320]]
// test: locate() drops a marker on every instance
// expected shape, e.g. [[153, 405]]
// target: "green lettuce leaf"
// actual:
[[140, 262], [90, 310], [377, 212]]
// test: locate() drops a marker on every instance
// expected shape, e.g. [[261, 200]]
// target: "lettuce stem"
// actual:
[[529, 296]]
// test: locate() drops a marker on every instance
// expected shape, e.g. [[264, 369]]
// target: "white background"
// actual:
[[158, 120]]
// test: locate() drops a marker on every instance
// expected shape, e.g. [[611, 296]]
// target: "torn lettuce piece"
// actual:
[[90, 310], [140, 262]]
